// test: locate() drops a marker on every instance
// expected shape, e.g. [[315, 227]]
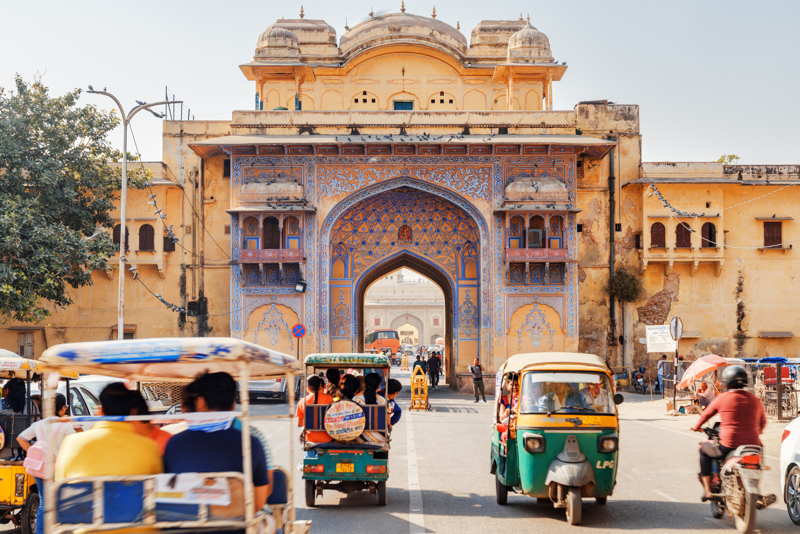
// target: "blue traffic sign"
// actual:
[[299, 330]]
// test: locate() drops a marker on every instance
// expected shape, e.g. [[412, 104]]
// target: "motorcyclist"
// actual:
[[742, 420]]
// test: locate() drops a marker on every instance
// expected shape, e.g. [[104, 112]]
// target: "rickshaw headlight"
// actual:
[[534, 443], [607, 444]]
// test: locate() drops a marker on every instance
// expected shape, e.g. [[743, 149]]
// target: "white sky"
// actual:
[[711, 76]]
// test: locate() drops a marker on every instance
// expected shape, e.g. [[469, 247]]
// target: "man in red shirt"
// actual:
[[742, 419]]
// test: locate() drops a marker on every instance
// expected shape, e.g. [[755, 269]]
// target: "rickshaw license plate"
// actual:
[[345, 468]]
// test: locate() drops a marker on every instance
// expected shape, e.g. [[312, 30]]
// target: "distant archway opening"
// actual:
[[432, 273]]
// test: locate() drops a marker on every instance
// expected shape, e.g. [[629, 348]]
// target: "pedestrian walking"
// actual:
[[477, 379], [660, 369], [434, 368]]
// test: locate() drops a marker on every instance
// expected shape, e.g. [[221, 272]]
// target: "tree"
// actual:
[[728, 159], [57, 188]]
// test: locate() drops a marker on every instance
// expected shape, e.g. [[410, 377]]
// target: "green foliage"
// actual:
[[624, 286], [728, 159], [57, 187]]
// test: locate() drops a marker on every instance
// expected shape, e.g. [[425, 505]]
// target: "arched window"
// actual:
[[683, 236], [658, 236], [339, 260], [272, 233], [536, 233], [469, 262], [147, 237], [556, 236], [250, 238], [404, 234], [708, 234], [516, 232], [291, 232], [115, 236]]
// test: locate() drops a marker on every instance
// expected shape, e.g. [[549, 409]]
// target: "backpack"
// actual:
[[36, 462]]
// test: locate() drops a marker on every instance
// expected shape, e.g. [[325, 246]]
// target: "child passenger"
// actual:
[[315, 395]]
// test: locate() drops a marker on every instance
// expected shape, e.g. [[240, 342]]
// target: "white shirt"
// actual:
[[51, 434]]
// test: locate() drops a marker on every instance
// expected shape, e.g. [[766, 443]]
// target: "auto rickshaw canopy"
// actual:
[[347, 359], [552, 361], [15, 366], [169, 359]]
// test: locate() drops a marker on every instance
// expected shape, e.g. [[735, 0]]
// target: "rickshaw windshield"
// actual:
[[566, 392]]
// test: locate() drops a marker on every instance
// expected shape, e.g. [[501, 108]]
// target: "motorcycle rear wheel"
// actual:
[[746, 522]]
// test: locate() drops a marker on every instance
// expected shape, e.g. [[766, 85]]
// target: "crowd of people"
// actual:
[[61, 451]]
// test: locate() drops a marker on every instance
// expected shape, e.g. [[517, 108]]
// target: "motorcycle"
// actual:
[[736, 484], [639, 382]]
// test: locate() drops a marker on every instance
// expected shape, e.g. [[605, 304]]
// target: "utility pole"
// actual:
[[123, 197]]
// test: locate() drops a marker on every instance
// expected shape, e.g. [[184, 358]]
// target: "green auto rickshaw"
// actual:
[[556, 431]]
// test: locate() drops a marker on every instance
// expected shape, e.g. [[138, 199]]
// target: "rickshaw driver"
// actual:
[[596, 397]]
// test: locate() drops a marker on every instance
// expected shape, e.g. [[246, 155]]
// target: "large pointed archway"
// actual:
[[404, 223], [426, 268]]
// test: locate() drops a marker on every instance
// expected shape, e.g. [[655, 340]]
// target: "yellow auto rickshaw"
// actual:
[[556, 432], [19, 499]]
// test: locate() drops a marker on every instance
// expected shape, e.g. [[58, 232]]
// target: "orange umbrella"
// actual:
[[701, 367]]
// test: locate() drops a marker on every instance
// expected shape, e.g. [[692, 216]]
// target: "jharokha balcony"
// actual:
[[537, 254], [267, 255]]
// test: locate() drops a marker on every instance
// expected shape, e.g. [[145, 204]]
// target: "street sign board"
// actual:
[[299, 330], [659, 339], [676, 328]]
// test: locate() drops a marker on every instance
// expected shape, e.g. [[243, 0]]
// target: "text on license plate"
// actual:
[[345, 468]]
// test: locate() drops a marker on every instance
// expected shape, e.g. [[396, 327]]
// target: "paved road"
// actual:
[[440, 482]]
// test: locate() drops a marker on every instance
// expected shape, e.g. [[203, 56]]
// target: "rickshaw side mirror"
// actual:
[[618, 398]]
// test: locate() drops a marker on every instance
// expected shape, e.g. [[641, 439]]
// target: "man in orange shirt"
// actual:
[[316, 395]]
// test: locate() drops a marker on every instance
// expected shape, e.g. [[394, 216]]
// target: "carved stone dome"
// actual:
[[381, 29], [278, 42], [529, 45]]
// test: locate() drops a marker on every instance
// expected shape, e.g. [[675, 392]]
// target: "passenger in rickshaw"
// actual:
[[48, 439], [145, 428], [596, 397], [217, 448], [351, 386], [315, 395], [14, 397], [109, 448], [394, 388], [334, 377]]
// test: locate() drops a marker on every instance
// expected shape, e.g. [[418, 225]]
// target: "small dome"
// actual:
[[278, 42], [529, 45]]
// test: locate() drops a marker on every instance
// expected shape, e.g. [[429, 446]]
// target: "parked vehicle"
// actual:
[[790, 469], [556, 434], [275, 389], [736, 484]]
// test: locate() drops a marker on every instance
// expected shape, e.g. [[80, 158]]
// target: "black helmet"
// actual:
[[734, 377]]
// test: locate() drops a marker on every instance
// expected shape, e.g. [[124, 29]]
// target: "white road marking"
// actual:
[[416, 517], [665, 495]]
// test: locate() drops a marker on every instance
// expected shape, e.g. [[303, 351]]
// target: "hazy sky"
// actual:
[[711, 76]]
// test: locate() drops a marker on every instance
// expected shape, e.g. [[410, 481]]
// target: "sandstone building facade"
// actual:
[[404, 144]]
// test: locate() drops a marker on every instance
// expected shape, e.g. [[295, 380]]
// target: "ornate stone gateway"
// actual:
[[410, 227]]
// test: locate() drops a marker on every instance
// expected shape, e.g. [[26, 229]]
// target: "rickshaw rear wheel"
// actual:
[[28, 514], [501, 491], [574, 506], [601, 501], [382, 493], [311, 493]]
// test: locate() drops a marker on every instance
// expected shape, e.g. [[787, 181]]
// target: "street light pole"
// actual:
[[123, 197]]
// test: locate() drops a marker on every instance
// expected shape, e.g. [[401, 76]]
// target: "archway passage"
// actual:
[[402, 262], [406, 227]]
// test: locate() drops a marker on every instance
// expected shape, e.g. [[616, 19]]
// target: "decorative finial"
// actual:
[[302, 12], [433, 14], [371, 12], [529, 19], [402, 6], [346, 26], [458, 25], [520, 16]]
